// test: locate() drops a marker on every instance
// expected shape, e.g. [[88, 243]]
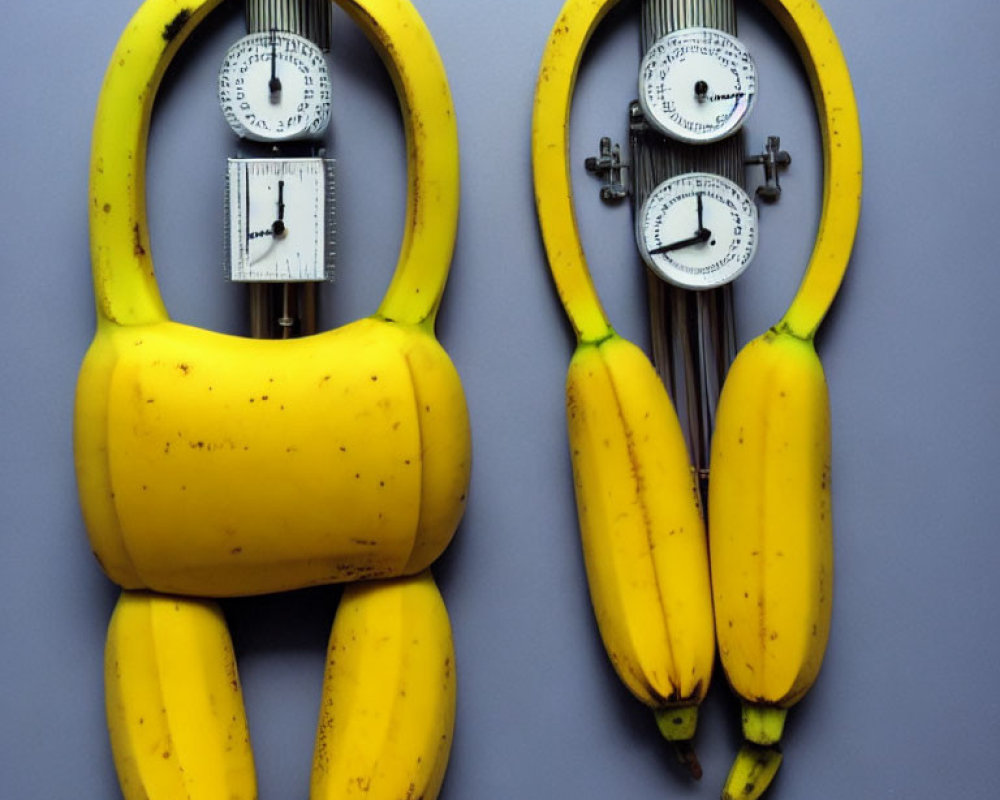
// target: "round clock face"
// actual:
[[697, 85], [697, 230], [275, 87]]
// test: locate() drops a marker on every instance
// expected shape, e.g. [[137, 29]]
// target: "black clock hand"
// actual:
[[278, 227], [701, 94], [703, 235], [274, 84]]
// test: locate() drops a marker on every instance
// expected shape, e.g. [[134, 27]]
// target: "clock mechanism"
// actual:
[[696, 226], [274, 92]]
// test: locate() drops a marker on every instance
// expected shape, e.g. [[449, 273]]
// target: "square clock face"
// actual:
[[280, 219]]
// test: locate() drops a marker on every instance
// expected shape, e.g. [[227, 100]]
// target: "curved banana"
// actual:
[[642, 531], [174, 703], [769, 502], [640, 519], [771, 543], [388, 708], [214, 465]]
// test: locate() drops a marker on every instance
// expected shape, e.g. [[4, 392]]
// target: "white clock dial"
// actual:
[[279, 219], [697, 85], [697, 230], [275, 87]]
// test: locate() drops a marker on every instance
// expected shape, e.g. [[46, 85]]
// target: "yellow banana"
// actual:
[[215, 465], [174, 703], [637, 500], [769, 494], [642, 532], [388, 707], [231, 466], [771, 543]]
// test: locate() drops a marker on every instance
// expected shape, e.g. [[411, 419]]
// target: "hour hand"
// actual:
[[701, 236]]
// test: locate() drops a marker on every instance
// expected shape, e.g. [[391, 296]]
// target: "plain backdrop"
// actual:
[[907, 703]]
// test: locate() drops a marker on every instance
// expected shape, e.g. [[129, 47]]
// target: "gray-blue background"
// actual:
[[907, 704]]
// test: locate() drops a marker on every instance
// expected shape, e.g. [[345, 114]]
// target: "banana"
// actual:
[[231, 466], [637, 501], [174, 703], [771, 538], [214, 465], [388, 706], [771, 543], [642, 532]]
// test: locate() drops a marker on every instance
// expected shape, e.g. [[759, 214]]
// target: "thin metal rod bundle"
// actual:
[[309, 18], [693, 332]]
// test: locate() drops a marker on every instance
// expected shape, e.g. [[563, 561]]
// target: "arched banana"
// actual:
[[641, 526], [214, 465], [770, 469], [220, 466], [388, 707], [769, 494], [174, 702]]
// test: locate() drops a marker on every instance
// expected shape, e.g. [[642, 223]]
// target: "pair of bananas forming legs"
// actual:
[[175, 705], [647, 560]]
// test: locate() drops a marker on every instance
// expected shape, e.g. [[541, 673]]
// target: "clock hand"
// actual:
[[702, 234], [274, 84], [278, 227], [700, 237], [701, 94], [729, 96]]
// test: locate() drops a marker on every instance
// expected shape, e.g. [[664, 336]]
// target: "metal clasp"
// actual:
[[772, 158], [609, 166]]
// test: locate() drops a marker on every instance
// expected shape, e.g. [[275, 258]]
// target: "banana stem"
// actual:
[[688, 758], [763, 724], [678, 724]]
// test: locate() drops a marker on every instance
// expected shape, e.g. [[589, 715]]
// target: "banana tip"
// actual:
[[752, 772]]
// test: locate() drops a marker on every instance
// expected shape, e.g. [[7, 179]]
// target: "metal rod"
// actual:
[[260, 310], [308, 18]]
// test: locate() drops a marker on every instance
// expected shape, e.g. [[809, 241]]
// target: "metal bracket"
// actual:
[[772, 158], [608, 166]]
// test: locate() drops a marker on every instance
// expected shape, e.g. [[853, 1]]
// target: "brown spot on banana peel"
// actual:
[[176, 25], [137, 247]]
